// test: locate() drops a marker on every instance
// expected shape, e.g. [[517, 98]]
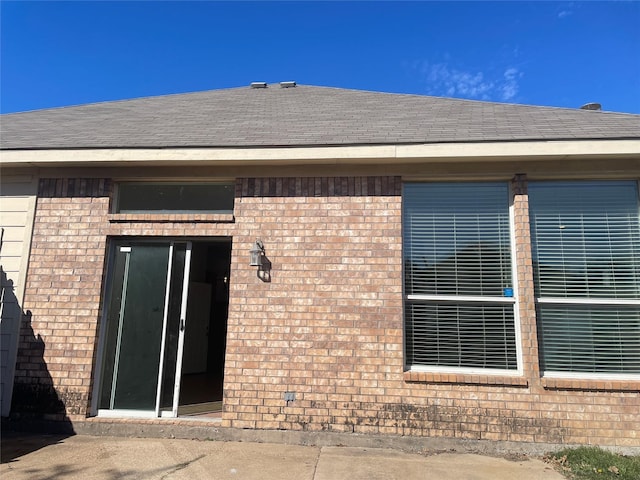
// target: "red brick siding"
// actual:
[[524, 273], [327, 326], [62, 298]]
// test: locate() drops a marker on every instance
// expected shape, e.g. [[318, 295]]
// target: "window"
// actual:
[[459, 303], [586, 256], [174, 198]]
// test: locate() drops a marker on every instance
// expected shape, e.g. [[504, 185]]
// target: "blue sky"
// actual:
[[560, 54]]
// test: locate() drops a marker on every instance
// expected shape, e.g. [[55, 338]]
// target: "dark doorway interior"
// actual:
[[206, 332]]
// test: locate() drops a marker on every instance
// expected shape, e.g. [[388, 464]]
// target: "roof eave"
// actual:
[[314, 155]]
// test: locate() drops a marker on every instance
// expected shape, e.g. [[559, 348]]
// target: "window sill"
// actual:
[[465, 379], [593, 385], [171, 218]]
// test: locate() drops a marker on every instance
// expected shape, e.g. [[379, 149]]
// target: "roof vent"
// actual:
[[591, 106], [287, 84], [258, 85]]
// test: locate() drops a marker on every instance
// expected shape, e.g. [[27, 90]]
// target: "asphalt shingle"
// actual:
[[301, 116]]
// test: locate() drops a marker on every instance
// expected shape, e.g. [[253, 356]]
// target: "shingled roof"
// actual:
[[301, 116]]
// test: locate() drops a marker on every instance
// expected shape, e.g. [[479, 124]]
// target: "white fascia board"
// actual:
[[180, 156], [528, 150], [371, 154]]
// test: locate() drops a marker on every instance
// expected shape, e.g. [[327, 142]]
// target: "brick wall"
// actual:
[[326, 324], [62, 299], [329, 328]]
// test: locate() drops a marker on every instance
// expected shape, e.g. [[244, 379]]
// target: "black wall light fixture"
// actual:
[[259, 259]]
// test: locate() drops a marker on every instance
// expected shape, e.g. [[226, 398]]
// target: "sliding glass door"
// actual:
[[144, 332]]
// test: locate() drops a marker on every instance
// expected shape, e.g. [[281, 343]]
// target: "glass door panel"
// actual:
[[114, 296], [145, 322], [137, 359], [144, 331]]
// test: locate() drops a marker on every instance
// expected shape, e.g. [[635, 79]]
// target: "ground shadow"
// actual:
[[37, 416], [17, 444]]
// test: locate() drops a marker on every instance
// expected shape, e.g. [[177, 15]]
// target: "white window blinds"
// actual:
[[586, 256], [459, 305]]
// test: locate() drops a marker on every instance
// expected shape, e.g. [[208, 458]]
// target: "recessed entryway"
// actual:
[[205, 339]]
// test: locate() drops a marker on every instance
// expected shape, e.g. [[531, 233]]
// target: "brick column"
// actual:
[[526, 294]]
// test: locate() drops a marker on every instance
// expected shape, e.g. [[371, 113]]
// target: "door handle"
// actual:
[[182, 324]]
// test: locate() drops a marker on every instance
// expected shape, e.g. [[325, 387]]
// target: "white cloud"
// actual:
[[566, 10], [509, 88], [442, 79]]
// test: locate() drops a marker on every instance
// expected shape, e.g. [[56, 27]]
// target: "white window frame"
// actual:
[[469, 299], [585, 301]]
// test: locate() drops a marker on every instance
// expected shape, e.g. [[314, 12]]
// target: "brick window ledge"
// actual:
[[465, 379], [171, 217], [590, 385]]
